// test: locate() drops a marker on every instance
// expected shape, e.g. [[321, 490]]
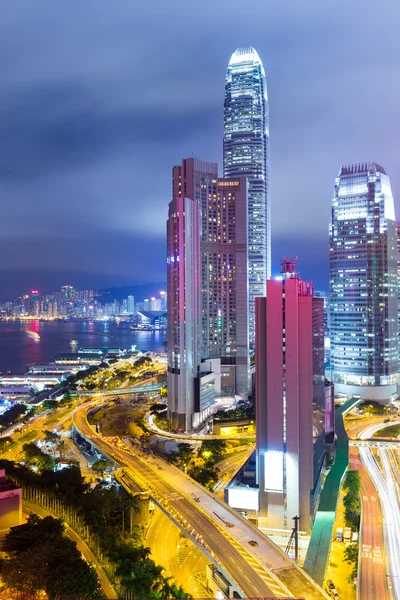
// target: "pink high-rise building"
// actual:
[[289, 400]]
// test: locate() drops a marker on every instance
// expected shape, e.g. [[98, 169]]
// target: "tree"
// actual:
[[351, 553], [179, 592], [66, 397], [27, 536], [207, 476], [12, 415], [50, 404], [142, 578], [5, 442], [41, 557], [185, 453], [352, 480], [51, 437], [164, 391], [158, 408], [34, 457], [100, 465], [212, 451]]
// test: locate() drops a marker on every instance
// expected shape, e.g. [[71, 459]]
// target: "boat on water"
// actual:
[[33, 335]]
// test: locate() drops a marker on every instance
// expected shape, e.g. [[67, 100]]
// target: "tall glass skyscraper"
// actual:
[[363, 284], [246, 152]]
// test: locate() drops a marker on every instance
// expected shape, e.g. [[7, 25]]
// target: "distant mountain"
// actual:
[[140, 292]]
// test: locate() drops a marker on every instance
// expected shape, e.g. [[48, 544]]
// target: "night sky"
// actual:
[[99, 99]]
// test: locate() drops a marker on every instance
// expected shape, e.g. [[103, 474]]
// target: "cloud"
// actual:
[[97, 104]]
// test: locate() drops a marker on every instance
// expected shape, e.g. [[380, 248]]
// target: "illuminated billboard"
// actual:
[[273, 471], [245, 499]]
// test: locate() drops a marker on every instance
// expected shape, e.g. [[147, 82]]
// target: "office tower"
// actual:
[[125, 306], [67, 291], [224, 275], [34, 303], [131, 305], [183, 288], [224, 300], [290, 400], [246, 153], [363, 284]]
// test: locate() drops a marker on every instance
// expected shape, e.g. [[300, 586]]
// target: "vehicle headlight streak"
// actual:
[[388, 491], [369, 432]]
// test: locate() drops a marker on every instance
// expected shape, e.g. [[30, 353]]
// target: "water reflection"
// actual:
[[17, 349]]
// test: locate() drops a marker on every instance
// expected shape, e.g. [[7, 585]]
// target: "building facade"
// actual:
[[290, 401], [224, 267], [363, 284], [246, 153], [184, 318]]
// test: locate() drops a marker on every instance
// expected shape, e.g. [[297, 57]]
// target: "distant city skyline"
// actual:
[[85, 173]]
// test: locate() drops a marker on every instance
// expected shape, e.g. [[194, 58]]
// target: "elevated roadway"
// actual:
[[146, 388], [261, 571]]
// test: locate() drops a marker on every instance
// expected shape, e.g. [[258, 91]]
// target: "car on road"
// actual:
[[330, 587], [253, 543]]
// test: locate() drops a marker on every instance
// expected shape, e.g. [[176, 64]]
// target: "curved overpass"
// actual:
[[264, 571]]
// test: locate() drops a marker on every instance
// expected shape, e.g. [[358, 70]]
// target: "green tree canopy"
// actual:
[[51, 436], [100, 465], [185, 453], [12, 415], [34, 457], [351, 553], [212, 451], [41, 557]]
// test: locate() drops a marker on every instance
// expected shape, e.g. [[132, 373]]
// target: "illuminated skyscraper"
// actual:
[[363, 284], [224, 279], [246, 152], [131, 305], [290, 400]]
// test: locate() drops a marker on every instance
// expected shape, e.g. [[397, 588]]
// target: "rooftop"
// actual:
[[366, 167], [244, 55]]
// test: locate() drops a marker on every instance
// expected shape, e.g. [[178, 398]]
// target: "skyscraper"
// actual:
[[246, 153], [363, 284], [183, 288], [131, 305], [224, 263], [290, 400]]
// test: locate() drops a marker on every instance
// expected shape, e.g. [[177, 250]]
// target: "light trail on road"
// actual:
[[370, 431], [385, 482], [252, 577]]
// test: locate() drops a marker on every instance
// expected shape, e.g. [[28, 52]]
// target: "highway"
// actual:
[[230, 466], [383, 470], [207, 517], [151, 425], [182, 560], [379, 575], [372, 569], [357, 424], [370, 431]]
